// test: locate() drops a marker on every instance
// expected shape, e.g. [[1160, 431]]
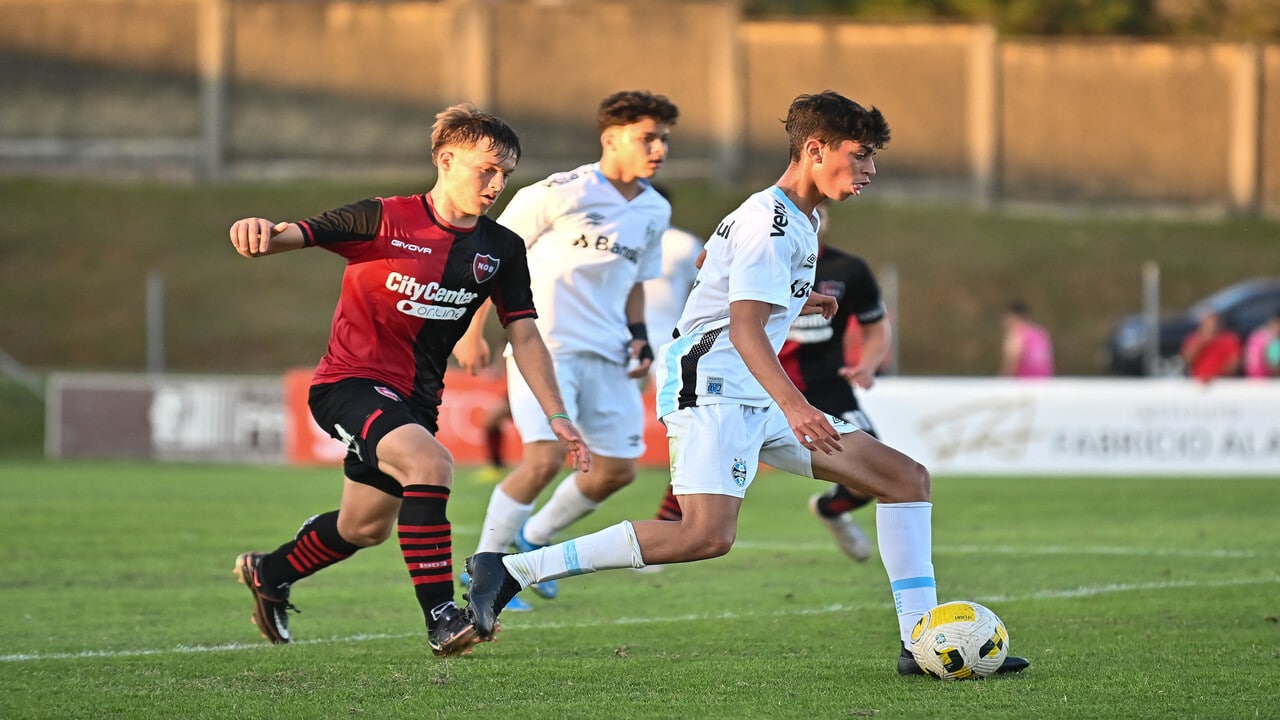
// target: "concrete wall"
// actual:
[[915, 75], [1139, 121], [305, 87], [1269, 153]]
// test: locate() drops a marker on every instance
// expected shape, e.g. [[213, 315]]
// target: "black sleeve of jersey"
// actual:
[[357, 221], [862, 292], [513, 295]]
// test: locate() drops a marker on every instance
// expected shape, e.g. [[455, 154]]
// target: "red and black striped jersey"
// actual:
[[814, 351], [410, 288]]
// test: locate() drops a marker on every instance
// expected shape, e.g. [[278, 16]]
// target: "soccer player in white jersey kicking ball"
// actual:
[[728, 404], [594, 235]]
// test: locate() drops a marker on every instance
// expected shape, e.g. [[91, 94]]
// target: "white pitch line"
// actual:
[[1216, 553], [1021, 550], [1068, 593]]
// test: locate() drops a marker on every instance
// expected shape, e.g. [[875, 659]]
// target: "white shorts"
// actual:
[[716, 449], [603, 402]]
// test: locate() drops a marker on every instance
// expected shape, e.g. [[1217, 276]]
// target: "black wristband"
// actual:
[[639, 331]]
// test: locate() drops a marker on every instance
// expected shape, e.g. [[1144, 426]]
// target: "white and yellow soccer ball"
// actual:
[[959, 640]]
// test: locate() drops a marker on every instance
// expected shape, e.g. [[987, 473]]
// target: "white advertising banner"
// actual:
[[1173, 426]]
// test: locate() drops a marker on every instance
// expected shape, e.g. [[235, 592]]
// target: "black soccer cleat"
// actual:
[[492, 587], [1013, 664], [907, 664], [270, 606], [452, 632]]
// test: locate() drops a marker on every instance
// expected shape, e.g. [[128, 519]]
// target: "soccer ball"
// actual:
[[959, 640]]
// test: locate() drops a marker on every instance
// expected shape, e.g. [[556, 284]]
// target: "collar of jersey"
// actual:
[[644, 184], [777, 191]]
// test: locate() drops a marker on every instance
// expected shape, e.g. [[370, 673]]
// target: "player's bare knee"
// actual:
[[912, 484], [718, 546], [615, 481], [544, 469], [367, 533], [712, 543]]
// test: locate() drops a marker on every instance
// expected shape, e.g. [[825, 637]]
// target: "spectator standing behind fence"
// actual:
[[1211, 351], [1262, 350], [1027, 350]]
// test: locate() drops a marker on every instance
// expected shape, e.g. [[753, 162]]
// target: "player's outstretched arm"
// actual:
[[747, 319], [534, 363], [255, 237]]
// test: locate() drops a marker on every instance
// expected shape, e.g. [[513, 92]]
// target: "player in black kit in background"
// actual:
[[417, 269], [816, 357]]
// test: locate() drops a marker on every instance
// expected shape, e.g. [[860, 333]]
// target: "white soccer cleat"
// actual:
[[848, 534]]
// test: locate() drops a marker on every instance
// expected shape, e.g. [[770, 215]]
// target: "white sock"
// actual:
[[613, 547], [566, 506], [905, 537], [501, 521]]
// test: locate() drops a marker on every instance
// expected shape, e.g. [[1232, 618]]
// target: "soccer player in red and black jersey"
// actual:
[[825, 358], [417, 269]]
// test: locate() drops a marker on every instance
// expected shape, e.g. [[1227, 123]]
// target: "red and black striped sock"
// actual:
[[840, 500], [316, 546], [426, 541], [670, 507]]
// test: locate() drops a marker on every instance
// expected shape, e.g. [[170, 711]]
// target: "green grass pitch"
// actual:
[[1134, 598]]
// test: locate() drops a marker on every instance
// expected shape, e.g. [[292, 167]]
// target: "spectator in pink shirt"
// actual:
[[1028, 351], [1262, 350]]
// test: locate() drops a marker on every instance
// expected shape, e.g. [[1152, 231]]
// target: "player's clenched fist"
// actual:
[[253, 237]]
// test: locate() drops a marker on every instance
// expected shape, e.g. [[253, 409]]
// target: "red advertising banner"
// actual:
[[468, 400]]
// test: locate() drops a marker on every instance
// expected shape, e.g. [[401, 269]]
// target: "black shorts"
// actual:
[[840, 401], [360, 412]]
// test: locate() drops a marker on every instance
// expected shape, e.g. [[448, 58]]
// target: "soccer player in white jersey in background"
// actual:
[[593, 236], [664, 296], [728, 404]]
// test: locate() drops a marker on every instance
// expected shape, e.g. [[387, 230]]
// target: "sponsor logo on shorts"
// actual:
[[388, 392], [634, 441], [715, 386], [739, 472]]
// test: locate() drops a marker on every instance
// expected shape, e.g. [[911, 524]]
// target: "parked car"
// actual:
[[1243, 306]]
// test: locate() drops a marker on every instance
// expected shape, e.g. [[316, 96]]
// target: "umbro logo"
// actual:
[[810, 261], [595, 218]]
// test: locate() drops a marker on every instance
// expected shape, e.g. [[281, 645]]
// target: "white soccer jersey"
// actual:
[[766, 250], [664, 296], [588, 246]]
